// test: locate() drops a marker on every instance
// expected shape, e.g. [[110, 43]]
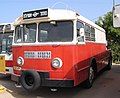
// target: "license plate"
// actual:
[[37, 54], [2, 64]]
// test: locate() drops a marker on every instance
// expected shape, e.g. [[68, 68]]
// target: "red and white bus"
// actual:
[[58, 48], [6, 36]]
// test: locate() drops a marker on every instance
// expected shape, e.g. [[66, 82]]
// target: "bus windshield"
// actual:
[[55, 31], [5, 42], [26, 33]]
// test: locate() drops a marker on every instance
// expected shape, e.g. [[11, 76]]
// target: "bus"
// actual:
[[6, 36], [58, 48]]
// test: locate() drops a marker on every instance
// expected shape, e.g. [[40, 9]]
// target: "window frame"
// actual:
[[56, 41], [92, 33], [22, 34], [78, 27], [87, 31]]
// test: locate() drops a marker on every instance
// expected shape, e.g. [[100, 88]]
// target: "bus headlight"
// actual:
[[20, 61], [57, 63]]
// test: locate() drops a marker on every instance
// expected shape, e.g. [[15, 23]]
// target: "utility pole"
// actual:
[[113, 3]]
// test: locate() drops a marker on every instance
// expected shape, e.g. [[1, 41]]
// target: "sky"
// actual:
[[91, 9]]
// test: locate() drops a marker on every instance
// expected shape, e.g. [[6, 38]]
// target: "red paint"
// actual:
[[9, 63], [76, 60]]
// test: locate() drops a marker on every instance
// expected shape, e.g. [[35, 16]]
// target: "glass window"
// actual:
[[26, 33], [56, 31], [80, 25], [92, 35], [87, 32], [18, 34], [6, 42]]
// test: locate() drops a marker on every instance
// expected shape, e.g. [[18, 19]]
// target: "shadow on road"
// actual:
[[44, 92], [5, 77]]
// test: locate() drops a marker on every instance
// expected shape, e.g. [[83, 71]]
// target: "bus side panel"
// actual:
[[85, 53]]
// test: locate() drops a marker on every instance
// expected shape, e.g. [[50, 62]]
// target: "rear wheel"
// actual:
[[89, 82], [108, 67], [30, 80]]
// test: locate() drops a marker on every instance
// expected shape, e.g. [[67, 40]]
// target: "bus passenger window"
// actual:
[[92, 34], [80, 32], [87, 32]]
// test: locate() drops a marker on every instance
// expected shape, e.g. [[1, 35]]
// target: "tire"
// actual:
[[30, 80], [91, 75], [109, 66]]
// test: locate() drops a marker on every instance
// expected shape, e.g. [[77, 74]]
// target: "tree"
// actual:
[[112, 34]]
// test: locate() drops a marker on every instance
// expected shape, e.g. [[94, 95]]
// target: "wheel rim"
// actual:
[[91, 75], [29, 80]]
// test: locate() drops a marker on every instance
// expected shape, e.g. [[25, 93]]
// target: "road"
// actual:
[[107, 85]]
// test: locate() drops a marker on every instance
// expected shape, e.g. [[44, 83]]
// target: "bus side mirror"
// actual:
[[80, 35], [81, 32]]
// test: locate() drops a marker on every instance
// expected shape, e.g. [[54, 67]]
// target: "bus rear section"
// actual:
[[55, 51], [6, 37]]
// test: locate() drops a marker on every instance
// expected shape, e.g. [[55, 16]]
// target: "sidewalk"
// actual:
[[4, 93]]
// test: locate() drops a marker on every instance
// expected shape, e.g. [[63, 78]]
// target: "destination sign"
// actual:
[[35, 14]]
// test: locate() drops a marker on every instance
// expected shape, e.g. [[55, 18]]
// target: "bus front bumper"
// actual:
[[47, 82]]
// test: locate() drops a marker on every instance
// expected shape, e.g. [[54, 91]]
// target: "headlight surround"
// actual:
[[20, 61], [57, 63]]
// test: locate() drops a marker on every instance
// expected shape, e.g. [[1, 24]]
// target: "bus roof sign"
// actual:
[[35, 14]]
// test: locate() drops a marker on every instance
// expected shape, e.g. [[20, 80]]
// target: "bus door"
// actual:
[[81, 51]]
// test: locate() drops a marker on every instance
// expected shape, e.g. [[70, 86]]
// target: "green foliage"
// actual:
[[112, 34]]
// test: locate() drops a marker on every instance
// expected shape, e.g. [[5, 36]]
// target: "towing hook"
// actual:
[[18, 85], [54, 89]]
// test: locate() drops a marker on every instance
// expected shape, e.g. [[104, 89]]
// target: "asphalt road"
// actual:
[[107, 85]]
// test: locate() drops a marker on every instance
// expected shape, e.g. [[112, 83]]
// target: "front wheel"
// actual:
[[89, 82], [30, 80]]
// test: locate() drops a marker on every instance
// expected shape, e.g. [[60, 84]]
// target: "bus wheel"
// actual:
[[30, 80], [88, 83], [108, 67]]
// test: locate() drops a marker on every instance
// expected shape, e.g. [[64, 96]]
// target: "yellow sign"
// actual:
[[2, 64]]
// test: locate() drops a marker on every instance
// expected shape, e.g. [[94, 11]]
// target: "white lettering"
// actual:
[[43, 13], [29, 15]]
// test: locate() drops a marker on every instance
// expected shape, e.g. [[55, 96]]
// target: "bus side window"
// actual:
[[87, 32], [92, 34], [80, 31]]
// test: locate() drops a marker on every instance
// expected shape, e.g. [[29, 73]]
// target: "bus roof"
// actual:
[[52, 14], [87, 21], [6, 27]]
